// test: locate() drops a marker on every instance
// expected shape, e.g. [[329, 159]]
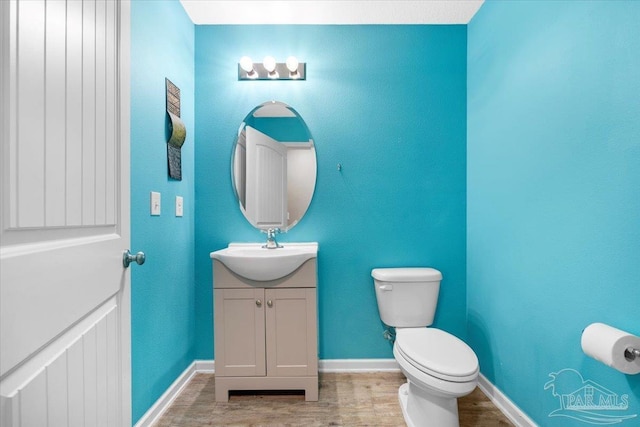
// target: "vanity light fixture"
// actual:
[[270, 69]]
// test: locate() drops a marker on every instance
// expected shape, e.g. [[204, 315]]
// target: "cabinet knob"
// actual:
[[270, 303], [259, 303]]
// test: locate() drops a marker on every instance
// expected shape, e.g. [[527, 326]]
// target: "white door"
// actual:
[[266, 191], [64, 292]]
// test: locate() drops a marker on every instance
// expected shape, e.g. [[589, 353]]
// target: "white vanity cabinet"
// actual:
[[266, 333]]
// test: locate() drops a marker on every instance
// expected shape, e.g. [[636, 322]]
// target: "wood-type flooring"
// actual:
[[346, 399]]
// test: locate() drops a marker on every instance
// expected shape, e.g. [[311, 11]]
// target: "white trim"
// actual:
[[504, 404], [162, 404], [328, 12], [208, 366], [358, 365]]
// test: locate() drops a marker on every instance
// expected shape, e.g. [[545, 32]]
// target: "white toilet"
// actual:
[[439, 367]]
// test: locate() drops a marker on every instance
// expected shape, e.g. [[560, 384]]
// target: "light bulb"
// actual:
[[292, 64], [246, 64], [269, 63]]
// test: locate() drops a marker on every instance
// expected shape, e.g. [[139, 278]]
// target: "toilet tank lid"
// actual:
[[406, 274]]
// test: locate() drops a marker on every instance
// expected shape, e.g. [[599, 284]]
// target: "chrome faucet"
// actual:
[[271, 238]]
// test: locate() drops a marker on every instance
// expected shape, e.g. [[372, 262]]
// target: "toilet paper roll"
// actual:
[[607, 344]]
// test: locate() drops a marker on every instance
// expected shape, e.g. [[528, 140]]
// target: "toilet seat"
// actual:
[[437, 353]]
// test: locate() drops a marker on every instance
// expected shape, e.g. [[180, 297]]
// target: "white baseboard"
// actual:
[[162, 404], [208, 366], [502, 402], [506, 406]]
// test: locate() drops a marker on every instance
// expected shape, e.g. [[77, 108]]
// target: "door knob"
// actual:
[[128, 258]]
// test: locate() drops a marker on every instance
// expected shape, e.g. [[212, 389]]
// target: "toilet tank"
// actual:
[[407, 297]]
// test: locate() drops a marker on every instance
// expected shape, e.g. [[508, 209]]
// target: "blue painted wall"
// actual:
[[162, 291], [553, 231], [388, 103]]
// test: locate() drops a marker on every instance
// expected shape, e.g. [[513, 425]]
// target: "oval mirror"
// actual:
[[273, 166]]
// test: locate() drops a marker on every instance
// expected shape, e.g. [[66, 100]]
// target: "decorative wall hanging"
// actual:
[[177, 131]]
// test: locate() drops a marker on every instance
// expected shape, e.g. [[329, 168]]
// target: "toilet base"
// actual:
[[420, 410]]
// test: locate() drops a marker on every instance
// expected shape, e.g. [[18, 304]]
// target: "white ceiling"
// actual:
[[347, 12]]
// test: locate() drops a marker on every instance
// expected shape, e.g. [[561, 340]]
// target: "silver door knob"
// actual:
[[128, 258]]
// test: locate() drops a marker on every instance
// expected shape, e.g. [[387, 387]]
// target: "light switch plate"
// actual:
[[155, 203], [179, 203]]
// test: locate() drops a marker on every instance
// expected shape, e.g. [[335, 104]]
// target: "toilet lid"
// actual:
[[438, 353]]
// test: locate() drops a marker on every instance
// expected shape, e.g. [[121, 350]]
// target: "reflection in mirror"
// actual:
[[274, 166]]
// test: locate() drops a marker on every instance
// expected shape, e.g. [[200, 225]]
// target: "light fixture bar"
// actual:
[[281, 70]]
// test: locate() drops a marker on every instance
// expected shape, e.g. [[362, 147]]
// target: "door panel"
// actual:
[[239, 321], [64, 212], [38, 302], [76, 388], [291, 332]]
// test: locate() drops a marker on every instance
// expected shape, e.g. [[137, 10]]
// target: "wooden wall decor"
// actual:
[[177, 131]]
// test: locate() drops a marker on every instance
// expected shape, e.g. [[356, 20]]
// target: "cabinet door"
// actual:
[[239, 332], [291, 330]]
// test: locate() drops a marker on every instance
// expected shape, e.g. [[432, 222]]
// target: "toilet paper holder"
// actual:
[[614, 347], [631, 353]]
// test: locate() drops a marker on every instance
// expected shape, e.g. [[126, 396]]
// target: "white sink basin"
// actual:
[[252, 261]]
